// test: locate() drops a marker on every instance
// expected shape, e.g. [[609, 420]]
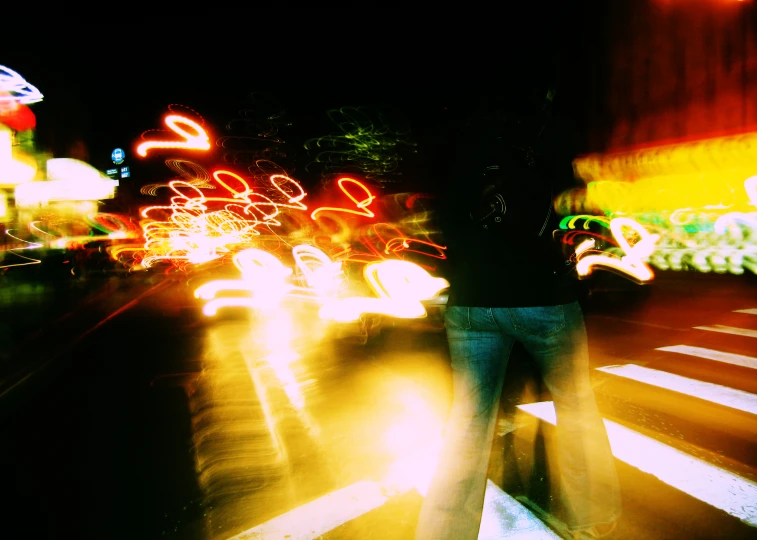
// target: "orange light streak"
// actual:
[[362, 205]]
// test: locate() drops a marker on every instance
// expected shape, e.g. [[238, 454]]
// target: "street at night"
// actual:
[[154, 420], [343, 274]]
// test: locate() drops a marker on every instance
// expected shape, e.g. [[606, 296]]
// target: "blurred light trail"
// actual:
[[193, 173], [25, 246], [714, 393], [268, 280], [709, 354], [698, 196], [263, 275], [750, 311], [400, 287], [365, 141], [415, 438], [729, 330], [360, 204], [277, 335], [14, 88], [198, 140], [632, 263], [717, 487], [716, 154], [720, 259]]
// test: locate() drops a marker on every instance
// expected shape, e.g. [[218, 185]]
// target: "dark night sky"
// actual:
[[105, 83]]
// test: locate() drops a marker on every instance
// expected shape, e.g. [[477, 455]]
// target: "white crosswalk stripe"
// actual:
[[714, 393], [710, 484], [710, 354], [729, 330]]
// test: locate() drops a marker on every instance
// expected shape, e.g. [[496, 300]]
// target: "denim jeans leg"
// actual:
[[555, 336], [479, 353]]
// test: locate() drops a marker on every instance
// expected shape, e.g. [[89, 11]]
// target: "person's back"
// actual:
[[508, 283], [496, 203]]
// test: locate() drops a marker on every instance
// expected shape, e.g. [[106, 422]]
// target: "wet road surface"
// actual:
[[163, 423]]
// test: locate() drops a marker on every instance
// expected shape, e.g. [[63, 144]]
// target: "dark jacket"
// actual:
[[513, 148]]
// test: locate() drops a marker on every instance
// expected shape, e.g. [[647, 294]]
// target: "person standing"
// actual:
[[503, 164]]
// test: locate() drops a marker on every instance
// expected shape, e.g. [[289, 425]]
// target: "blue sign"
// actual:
[[118, 156]]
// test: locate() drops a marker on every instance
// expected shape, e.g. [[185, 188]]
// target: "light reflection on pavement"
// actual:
[[285, 412]]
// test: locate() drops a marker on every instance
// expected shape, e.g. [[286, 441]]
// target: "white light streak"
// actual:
[[18, 89]]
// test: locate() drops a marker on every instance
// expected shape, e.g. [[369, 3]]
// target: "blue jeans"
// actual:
[[480, 341]]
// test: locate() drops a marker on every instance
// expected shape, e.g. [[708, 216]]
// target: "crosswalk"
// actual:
[[698, 439], [727, 485]]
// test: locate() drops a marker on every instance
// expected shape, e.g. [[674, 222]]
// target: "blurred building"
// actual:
[[664, 70]]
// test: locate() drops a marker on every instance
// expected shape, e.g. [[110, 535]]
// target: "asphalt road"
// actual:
[[135, 416]]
